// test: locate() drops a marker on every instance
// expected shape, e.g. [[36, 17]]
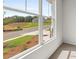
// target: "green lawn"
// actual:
[[47, 22], [16, 42], [35, 24], [21, 25], [30, 24]]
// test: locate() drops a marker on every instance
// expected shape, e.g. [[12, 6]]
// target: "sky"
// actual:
[[32, 6]]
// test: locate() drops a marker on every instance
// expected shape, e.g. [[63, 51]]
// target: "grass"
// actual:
[[13, 26], [16, 42], [6, 21], [22, 25], [30, 25], [47, 22], [6, 50]]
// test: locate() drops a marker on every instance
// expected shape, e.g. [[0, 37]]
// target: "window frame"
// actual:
[[40, 28]]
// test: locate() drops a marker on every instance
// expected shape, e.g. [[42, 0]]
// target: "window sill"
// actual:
[[31, 50]]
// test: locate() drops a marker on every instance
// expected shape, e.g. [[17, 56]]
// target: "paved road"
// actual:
[[8, 35]]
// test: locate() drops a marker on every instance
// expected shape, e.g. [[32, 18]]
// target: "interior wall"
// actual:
[[69, 21]]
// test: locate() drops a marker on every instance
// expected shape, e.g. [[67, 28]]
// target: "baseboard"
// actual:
[[69, 42]]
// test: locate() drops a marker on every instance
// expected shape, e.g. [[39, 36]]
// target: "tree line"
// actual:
[[12, 19]]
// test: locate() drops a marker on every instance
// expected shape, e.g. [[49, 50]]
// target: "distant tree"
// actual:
[[28, 19], [19, 18], [16, 18], [8, 20], [35, 16]]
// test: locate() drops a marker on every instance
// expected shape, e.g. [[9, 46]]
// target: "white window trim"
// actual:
[[17, 10], [31, 50], [40, 23]]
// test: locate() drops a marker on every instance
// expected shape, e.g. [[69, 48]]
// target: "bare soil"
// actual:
[[21, 48]]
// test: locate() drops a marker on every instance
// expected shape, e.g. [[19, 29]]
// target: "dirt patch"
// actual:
[[20, 48], [12, 27]]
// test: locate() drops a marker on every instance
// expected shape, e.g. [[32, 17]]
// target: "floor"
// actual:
[[65, 51]]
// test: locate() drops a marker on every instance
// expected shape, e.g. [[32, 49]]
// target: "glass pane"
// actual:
[[46, 8], [18, 4], [47, 21], [20, 32], [32, 6]]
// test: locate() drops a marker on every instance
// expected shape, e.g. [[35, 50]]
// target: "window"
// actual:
[[24, 27], [47, 21], [32, 6]]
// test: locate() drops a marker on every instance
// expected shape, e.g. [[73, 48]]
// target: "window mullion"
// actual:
[[40, 23], [52, 20], [53, 13], [17, 10], [25, 5]]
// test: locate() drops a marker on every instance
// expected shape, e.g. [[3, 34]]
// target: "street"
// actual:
[[9, 35]]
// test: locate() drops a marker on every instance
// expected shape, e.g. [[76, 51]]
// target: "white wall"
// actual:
[[49, 48], [69, 21]]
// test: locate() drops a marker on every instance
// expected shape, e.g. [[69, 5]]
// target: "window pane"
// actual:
[[46, 8], [47, 32], [32, 6], [18, 4], [47, 21], [21, 31]]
